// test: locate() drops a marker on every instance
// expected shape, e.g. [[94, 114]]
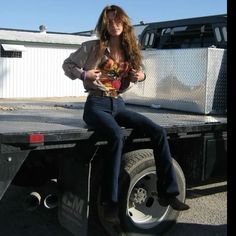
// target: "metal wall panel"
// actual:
[[191, 80], [38, 74]]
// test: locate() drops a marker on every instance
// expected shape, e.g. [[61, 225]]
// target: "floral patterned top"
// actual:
[[113, 73]]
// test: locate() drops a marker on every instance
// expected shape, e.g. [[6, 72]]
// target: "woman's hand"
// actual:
[[137, 76], [93, 74]]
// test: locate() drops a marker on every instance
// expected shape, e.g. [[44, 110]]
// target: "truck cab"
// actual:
[[199, 32]]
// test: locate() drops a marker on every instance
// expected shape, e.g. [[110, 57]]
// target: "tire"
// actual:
[[140, 212]]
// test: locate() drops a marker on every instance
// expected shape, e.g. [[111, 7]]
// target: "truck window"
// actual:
[[218, 35], [187, 33], [151, 40], [187, 37], [224, 31], [221, 33]]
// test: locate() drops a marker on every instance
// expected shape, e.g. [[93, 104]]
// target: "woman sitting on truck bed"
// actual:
[[108, 66]]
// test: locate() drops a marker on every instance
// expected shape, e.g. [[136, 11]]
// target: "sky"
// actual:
[[69, 16]]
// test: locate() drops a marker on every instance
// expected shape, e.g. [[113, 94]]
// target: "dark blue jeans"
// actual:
[[106, 115]]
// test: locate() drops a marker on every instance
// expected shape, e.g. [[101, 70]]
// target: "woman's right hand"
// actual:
[[92, 80], [93, 74]]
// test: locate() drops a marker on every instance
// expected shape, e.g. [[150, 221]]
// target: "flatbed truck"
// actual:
[[46, 139]]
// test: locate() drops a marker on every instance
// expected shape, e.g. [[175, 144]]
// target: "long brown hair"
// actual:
[[128, 38]]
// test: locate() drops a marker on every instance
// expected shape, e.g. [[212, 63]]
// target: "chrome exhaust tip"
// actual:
[[32, 201], [47, 195], [51, 201]]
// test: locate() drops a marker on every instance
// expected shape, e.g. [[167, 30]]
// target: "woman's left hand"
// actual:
[[137, 76]]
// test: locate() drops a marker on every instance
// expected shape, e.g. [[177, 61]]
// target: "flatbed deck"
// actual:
[[64, 115]]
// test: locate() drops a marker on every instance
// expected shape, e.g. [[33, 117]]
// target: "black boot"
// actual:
[[111, 212], [174, 202]]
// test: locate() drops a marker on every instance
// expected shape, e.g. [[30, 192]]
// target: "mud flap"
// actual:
[[10, 163], [74, 182]]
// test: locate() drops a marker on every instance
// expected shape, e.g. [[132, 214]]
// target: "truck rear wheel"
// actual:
[[140, 211]]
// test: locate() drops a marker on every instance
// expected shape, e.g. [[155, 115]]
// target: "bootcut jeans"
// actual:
[[106, 115]]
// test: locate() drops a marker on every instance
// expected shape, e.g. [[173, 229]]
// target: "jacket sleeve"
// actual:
[[74, 64]]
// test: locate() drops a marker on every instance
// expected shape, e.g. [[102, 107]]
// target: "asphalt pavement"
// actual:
[[206, 217]]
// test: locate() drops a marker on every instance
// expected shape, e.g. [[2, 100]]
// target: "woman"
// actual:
[[108, 67]]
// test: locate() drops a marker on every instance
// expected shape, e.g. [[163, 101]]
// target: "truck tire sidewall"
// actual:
[[137, 164]]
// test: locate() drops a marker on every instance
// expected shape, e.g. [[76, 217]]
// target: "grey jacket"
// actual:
[[85, 59]]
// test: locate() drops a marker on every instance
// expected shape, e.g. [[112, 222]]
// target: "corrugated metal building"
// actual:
[[31, 64]]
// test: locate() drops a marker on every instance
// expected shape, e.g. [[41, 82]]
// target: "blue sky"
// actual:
[[80, 15]]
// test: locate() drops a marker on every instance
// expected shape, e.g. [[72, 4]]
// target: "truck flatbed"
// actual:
[[65, 116]]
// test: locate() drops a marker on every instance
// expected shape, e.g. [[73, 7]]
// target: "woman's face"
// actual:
[[115, 26]]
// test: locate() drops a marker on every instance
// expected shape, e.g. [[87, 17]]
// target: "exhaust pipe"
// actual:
[[32, 201], [48, 195], [51, 201], [51, 194]]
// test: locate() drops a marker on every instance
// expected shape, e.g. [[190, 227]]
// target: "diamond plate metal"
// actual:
[[189, 79]]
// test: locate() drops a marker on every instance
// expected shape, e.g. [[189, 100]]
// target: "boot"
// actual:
[[174, 202], [111, 213]]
